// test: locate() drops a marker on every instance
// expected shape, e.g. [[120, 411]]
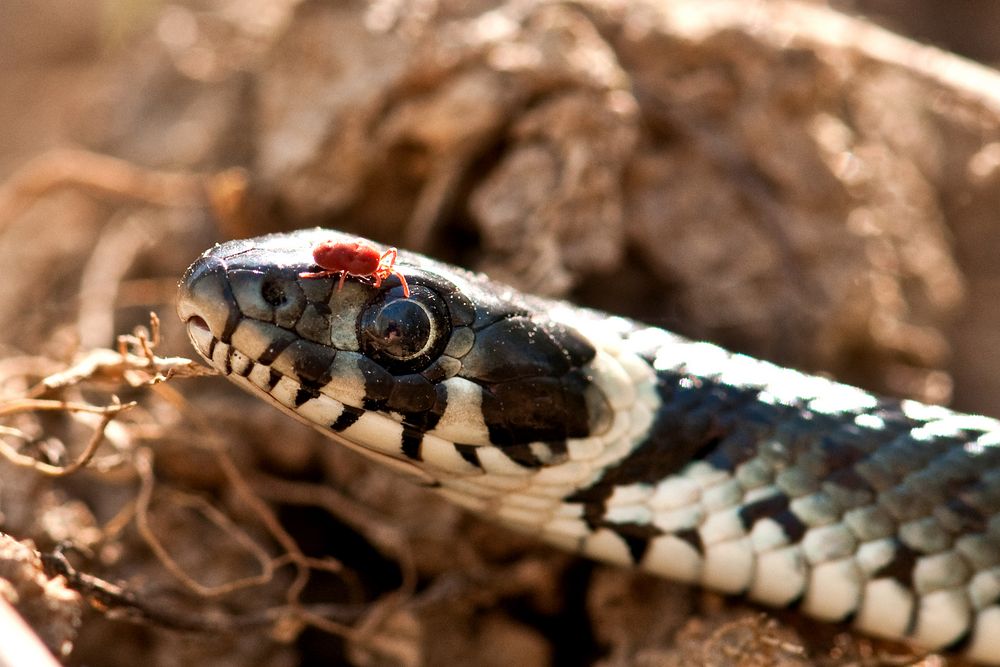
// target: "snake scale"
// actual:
[[622, 441]]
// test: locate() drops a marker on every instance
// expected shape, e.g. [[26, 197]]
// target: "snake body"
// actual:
[[625, 442]]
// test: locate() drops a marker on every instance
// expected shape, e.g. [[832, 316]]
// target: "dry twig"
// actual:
[[106, 176]]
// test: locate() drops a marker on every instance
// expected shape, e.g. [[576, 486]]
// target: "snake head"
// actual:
[[431, 380]]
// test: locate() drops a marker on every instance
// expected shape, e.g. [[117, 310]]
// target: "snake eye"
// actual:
[[404, 335]]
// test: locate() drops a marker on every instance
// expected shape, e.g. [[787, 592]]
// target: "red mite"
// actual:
[[355, 258]]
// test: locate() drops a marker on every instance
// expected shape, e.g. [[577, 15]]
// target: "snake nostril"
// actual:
[[273, 293]]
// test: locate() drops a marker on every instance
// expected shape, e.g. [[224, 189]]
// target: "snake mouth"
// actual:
[[200, 335]]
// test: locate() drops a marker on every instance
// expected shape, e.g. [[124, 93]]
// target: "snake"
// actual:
[[622, 441]]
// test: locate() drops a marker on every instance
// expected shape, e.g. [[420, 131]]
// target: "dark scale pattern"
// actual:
[[304, 394], [411, 394], [273, 378], [426, 420], [277, 345], [959, 645], [469, 453], [311, 362], [233, 320], [522, 455], [908, 476], [347, 418], [765, 507], [790, 524], [697, 420], [518, 348], [637, 537], [958, 516], [524, 411], [247, 369], [411, 441], [533, 385], [901, 566], [227, 367], [692, 537]]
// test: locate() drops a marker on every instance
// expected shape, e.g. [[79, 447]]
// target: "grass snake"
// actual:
[[622, 441]]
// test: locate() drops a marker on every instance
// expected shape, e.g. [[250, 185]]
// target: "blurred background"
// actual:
[[53, 54]]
